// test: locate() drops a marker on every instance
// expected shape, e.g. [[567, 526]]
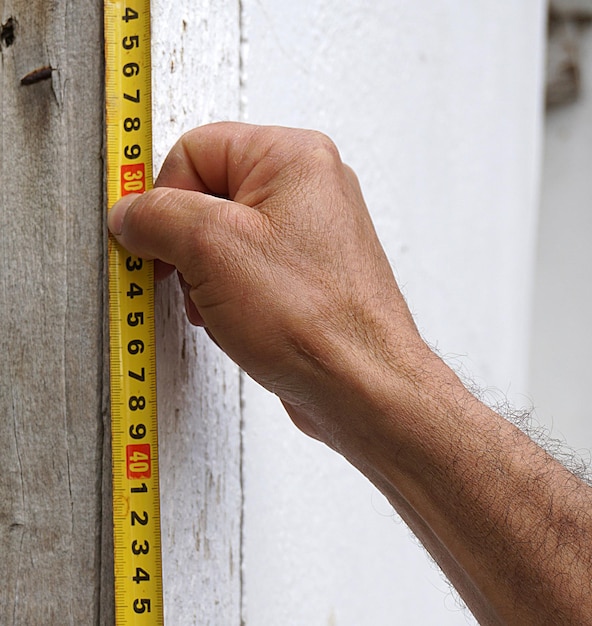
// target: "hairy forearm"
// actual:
[[509, 525]]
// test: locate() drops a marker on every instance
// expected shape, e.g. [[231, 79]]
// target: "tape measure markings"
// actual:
[[136, 508]]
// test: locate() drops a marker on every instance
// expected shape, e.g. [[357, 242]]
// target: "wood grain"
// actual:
[[51, 320]]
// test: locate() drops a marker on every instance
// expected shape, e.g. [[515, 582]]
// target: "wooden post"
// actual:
[[51, 312]]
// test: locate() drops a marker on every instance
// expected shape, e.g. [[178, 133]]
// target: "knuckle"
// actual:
[[316, 144], [322, 154], [299, 144], [308, 153], [324, 142]]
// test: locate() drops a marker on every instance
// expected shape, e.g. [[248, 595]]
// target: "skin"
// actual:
[[279, 260]]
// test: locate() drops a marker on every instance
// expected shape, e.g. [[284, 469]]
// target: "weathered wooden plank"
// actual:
[[196, 80], [51, 335]]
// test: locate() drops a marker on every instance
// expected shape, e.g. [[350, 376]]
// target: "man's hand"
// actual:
[[278, 259]]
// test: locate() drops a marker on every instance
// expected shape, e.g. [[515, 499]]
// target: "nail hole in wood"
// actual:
[[8, 32]]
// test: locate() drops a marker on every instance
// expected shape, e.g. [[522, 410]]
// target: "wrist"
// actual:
[[379, 396], [403, 414]]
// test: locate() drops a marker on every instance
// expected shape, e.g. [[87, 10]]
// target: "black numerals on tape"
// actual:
[[137, 432], [142, 606], [135, 347], [131, 70]]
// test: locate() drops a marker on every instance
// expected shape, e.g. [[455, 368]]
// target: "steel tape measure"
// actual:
[[134, 428]]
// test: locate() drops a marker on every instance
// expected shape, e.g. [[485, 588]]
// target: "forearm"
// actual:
[[509, 525]]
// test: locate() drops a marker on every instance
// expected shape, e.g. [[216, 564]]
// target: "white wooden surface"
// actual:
[[196, 80]]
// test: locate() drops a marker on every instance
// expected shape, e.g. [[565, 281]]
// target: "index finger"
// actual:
[[202, 159], [239, 161]]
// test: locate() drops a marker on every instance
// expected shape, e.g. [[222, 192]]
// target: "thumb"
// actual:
[[117, 213], [172, 225]]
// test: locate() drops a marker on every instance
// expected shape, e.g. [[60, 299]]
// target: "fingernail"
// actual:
[[117, 213]]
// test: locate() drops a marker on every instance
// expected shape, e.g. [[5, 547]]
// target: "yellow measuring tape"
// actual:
[[136, 506]]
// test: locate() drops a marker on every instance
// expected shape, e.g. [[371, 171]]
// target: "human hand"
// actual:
[[279, 261]]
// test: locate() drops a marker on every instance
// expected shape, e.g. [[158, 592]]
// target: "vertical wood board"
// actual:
[[195, 55], [51, 337]]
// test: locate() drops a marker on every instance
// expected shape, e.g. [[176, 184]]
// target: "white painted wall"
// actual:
[[436, 105], [562, 342]]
